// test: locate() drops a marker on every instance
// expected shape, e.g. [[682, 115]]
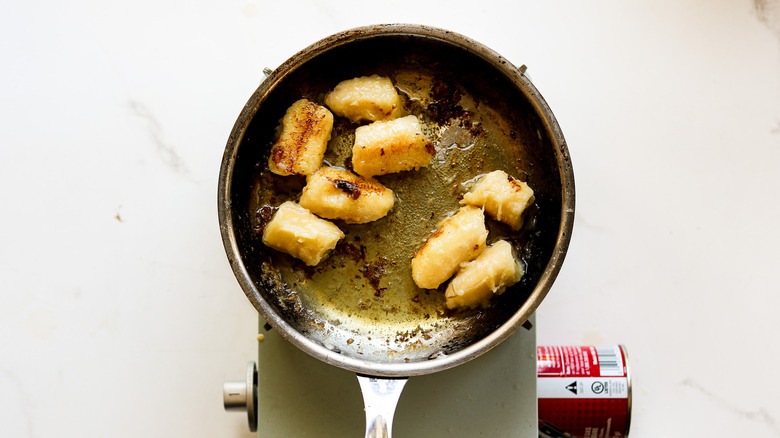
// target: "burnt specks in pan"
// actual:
[[444, 104], [445, 109], [263, 216], [371, 271], [351, 250], [474, 127], [374, 272], [306, 270]]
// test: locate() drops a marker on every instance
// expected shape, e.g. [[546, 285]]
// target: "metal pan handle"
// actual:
[[380, 397]]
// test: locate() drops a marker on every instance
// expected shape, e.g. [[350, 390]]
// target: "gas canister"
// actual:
[[583, 391]]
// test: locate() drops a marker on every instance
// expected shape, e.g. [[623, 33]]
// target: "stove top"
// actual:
[[493, 395]]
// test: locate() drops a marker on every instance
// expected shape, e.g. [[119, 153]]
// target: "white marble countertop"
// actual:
[[119, 314]]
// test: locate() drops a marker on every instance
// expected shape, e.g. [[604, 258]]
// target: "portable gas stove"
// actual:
[[302, 388], [290, 394]]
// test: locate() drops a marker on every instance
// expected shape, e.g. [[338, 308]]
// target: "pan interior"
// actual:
[[361, 301]]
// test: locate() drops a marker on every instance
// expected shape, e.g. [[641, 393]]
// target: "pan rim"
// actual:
[[315, 349]]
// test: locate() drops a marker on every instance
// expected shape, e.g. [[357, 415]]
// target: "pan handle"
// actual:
[[380, 397]]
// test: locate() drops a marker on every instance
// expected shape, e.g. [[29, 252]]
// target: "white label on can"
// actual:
[[582, 387]]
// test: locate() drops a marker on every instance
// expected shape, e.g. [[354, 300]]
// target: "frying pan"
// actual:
[[359, 308]]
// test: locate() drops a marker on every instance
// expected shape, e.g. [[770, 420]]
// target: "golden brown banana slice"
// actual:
[[489, 274], [458, 239], [369, 98], [391, 146], [504, 198], [339, 194], [298, 232], [306, 130]]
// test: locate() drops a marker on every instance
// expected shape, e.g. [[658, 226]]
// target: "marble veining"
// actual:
[[768, 12], [165, 151], [760, 415]]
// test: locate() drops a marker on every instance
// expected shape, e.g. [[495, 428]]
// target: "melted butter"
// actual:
[[374, 295]]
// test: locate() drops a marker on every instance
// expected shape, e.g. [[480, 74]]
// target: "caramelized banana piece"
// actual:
[[504, 198], [458, 239], [339, 194], [489, 274], [306, 129], [296, 231], [369, 98], [391, 146]]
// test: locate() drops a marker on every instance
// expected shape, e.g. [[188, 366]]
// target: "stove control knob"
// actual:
[[242, 395]]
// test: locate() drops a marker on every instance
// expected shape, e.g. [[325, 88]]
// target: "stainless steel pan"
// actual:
[[359, 309]]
